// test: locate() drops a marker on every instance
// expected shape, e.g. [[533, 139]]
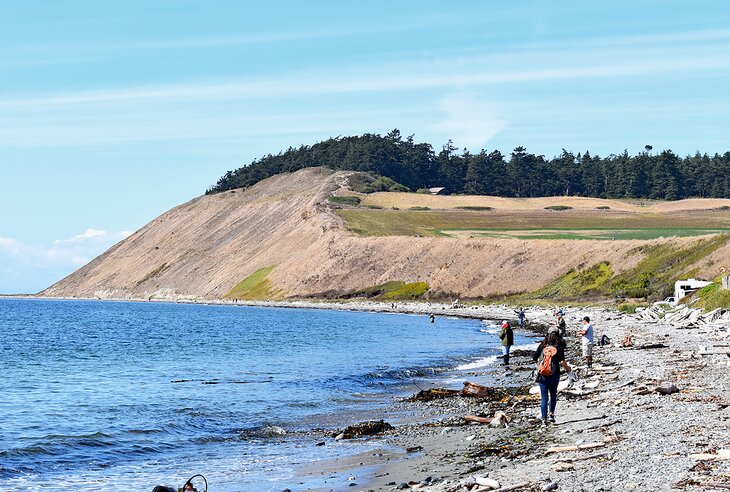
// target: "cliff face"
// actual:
[[205, 247]]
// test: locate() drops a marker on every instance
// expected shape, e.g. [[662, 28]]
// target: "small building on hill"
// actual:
[[437, 191]]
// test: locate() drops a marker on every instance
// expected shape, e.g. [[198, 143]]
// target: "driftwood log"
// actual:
[[499, 419], [715, 485], [511, 488], [580, 447], [721, 455], [474, 389]]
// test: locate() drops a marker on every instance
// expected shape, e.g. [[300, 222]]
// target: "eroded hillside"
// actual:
[[282, 238]]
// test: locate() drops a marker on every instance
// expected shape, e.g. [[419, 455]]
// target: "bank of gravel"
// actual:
[[644, 440]]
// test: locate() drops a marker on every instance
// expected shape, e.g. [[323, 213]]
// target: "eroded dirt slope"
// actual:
[[203, 248]]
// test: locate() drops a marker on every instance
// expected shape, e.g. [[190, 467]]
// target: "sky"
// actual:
[[112, 113]]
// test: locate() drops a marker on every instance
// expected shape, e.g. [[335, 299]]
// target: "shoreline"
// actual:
[[479, 311], [635, 437], [645, 440]]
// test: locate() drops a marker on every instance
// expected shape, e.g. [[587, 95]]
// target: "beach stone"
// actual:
[[561, 467], [667, 389], [486, 482], [367, 428]]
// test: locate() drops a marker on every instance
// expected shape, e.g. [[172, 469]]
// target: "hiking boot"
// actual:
[[552, 418], [544, 423]]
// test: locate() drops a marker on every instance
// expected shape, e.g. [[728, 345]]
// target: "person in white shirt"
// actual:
[[587, 340]]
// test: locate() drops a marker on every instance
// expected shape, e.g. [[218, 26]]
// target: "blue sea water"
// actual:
[[123, 395]]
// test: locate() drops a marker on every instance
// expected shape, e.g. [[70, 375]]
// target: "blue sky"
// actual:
[[113, 112]]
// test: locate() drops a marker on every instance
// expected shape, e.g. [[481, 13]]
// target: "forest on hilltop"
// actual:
[[652, 175]]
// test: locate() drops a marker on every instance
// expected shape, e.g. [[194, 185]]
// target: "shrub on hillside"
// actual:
[[474, 207], [345, 200], [370, 183]]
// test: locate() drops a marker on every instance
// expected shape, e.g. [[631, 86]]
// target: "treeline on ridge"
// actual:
[[661, 175]]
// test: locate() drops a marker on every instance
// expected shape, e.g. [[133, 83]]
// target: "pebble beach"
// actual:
[[653, 416]]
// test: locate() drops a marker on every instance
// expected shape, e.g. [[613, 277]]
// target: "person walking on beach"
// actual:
[[561, 341], [549, 357], [587, 340], [520, 317], [508, 339]]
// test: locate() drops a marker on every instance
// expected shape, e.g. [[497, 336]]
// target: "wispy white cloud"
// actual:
[[87, 234], [469, 120], [298, 84], [170, 125], [42, 261]]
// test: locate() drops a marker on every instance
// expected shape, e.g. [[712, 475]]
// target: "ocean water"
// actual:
[[125, 396]]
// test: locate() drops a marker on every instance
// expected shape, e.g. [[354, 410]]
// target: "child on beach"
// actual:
[[562, 327], [508, 339], [549, 357]]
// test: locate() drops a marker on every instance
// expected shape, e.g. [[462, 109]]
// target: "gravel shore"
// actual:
[[633, 437]]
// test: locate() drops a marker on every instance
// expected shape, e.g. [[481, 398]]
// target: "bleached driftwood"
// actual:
[[580, 447]]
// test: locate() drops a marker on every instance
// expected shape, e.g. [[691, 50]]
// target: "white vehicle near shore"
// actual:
[[669, 301]]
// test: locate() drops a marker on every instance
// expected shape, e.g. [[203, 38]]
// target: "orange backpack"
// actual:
[[545, 368]]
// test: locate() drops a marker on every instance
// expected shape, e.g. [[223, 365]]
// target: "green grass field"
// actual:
[[596, 234], [535, 224], [255, 287]]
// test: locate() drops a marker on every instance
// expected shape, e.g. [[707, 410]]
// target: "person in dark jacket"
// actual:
[[520, 316], [562, 327], [508, 339], [549, 384]]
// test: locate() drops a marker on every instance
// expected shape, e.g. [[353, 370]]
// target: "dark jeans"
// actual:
[[548, 387]]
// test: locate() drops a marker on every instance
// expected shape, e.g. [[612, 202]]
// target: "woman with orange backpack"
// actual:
[[549, 357]]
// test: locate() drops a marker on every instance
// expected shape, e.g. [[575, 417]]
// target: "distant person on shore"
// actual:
[[562, 327], [586, 335], [508, 339], [520, 316], [549, 357]]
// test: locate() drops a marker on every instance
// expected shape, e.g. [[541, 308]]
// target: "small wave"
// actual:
[[525, 346], [144, 431], [262, 431], [397, 374], [487, 361], [61, 437], [478, 364]]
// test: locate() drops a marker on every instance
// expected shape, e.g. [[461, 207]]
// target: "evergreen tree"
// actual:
[[663, 176]]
